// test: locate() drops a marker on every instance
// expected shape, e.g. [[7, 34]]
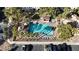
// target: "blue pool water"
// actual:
[[40, 28]]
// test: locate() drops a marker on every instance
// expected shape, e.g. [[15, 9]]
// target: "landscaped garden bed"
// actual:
[[47, 24]]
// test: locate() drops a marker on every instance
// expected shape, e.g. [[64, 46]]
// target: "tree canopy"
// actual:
[[67, 11], [52, 11], [14, 13], [66, 31]]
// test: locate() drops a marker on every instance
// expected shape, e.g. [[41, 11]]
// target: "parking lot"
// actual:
[[28, 48]]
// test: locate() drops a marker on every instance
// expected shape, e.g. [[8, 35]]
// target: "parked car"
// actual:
[[59, 47], [1, 30], [16, 47], [28, 47], [1, 36], [1, 39]]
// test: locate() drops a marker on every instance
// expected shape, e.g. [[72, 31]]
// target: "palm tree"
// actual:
[[45, 11], [67, 11], [14, 15]]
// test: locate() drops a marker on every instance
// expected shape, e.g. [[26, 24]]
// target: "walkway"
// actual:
[[5, 46]]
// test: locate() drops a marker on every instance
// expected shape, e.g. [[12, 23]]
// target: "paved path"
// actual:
[[75, 39], [5, 46]]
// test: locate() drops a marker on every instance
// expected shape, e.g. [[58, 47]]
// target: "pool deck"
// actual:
[[47, 22], [46, 40]]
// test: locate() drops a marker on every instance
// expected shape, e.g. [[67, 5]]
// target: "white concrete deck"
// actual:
[[26, 42]]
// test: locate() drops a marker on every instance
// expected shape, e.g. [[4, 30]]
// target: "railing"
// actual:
[[34, 38]]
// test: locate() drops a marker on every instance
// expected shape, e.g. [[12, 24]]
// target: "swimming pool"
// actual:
[[40, 28]]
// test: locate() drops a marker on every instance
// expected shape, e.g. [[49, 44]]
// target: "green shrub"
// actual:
[[66, 31]]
